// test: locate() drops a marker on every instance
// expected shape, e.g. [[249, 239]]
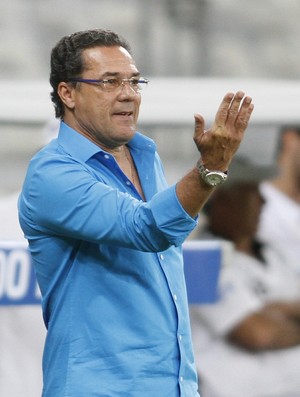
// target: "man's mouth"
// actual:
[[123, 114]]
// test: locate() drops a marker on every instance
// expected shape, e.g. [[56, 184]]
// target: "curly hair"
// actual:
[[67, 61]]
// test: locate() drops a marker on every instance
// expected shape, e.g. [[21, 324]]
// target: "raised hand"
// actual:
[[218, 144]]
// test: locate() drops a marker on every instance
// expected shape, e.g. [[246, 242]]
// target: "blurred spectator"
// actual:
[[9, 223], [248, 343], [279, 226], [22, 330]]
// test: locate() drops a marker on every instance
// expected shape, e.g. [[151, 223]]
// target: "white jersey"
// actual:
[[22, 331], [225, 370], [9, 223], [279, 226]]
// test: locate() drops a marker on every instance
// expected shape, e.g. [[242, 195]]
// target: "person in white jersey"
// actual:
[[22, 331], [279, 225], [247, 343]]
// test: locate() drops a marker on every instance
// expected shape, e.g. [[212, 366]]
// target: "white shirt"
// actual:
[[9, 223], [226, 370], [279, 225], [22, 331]]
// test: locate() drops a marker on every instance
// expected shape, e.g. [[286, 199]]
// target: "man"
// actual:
[[105, 231], [279, 222]]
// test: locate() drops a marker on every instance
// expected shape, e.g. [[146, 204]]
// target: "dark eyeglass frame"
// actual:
[[112, 84]]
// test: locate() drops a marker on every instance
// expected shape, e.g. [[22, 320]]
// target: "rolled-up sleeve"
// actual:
[[170, 217]]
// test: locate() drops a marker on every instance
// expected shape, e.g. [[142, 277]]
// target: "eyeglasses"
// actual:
[[109, 85]]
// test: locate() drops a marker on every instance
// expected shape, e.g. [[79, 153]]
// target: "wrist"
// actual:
[[211, 177]]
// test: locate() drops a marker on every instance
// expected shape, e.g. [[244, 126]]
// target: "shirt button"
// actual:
[[180, 337], [161, 257], [175, 297], [181, 379], [106, 156], [128, 183]]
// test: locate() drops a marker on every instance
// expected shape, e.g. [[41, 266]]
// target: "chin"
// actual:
[[128, 133]]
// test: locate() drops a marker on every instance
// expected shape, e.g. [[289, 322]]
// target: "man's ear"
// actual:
[[66, 92]]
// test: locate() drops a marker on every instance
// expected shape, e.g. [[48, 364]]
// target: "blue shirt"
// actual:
[[110, 270]]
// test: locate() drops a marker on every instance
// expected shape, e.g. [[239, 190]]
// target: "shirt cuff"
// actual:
[[170, 216]]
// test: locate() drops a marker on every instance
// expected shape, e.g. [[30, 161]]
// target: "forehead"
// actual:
[[109, 60]]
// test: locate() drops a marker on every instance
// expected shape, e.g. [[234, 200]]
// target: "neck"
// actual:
[[245, 245], [126, 163]]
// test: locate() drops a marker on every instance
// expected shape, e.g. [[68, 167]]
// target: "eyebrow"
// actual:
[[116, 74]]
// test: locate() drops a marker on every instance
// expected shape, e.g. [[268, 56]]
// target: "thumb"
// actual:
[[199, 126]]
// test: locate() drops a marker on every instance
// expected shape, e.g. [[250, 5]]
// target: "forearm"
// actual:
[[283, 334], [288, 309], [193, 192], [266, 330]]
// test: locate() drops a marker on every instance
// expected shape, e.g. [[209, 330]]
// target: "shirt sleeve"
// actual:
[[170, 216], [65, 199]]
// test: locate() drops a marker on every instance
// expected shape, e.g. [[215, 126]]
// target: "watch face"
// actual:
[[215, 178], [212, 178]]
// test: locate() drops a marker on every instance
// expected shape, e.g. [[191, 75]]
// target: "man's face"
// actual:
[[107, 118]]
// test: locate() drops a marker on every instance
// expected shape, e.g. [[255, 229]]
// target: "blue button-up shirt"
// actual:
[[110, 270]]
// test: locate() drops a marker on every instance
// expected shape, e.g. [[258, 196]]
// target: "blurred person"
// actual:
[[248, 342], [22, 332], [10, 229], [9, 223], [105, 231], [279, 225]]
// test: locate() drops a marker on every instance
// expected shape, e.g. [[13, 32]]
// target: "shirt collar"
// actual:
[[83, 149]]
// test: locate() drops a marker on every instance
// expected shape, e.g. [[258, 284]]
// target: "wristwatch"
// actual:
[[212, 178]]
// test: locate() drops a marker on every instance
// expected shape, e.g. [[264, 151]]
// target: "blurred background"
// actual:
[[193, 51]]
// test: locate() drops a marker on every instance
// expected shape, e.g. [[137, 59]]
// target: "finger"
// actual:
[[244, 115], [199, 129], [222, 112], [199, 125], [235, 107]]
